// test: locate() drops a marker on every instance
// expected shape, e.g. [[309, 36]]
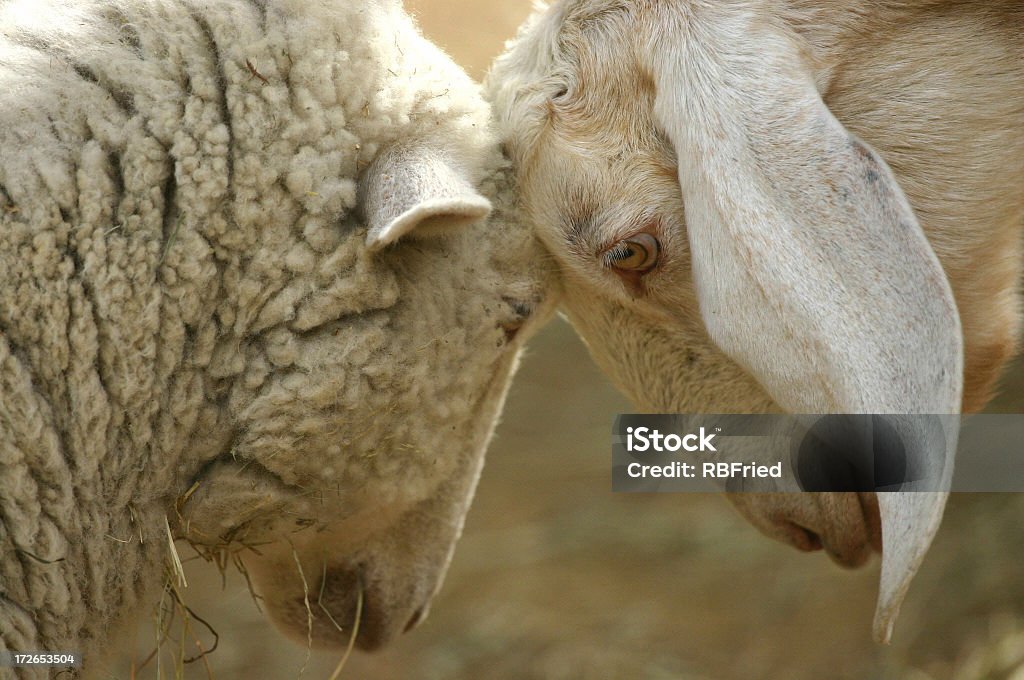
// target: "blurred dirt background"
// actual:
[[558, 578]]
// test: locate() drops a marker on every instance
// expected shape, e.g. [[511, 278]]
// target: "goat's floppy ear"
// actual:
[[811, 269], [416, 190]]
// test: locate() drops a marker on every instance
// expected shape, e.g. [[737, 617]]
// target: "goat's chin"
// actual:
[[847, 526]]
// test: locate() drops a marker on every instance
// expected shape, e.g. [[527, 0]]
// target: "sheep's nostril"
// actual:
[[415, 620]]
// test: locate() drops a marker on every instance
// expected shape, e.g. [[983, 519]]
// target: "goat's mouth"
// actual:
[[848, 541], [847, 526]]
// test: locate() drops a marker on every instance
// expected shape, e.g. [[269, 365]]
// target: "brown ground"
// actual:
[[556, 577]]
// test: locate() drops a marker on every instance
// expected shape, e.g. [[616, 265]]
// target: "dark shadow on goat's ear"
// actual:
[[416, 191], [811, 268]]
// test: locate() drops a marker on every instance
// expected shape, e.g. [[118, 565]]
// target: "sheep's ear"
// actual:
[[811, 269], [416, 191]]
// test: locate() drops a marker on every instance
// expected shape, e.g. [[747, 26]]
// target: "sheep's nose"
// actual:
[[851, 453], [416, 619], [347, 597]]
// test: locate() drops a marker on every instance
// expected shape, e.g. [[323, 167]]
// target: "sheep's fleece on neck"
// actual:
[[194, 332]]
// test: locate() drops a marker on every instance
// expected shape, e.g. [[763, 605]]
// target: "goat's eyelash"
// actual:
[[617, 252]]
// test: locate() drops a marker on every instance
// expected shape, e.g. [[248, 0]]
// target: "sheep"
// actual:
[[248, 299], [710, 178]]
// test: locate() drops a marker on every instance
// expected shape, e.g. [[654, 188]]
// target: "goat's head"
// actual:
[[728, 246]]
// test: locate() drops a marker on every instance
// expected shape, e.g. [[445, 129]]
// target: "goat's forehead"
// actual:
[[557, 47], [576, 108], [593, 41], [589, 107], [595, 143]]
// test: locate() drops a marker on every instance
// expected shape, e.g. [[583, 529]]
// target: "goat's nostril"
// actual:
[[813, 540], [803, 538]]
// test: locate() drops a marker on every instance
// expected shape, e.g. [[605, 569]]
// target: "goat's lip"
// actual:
[[851, 539], [847, 526]]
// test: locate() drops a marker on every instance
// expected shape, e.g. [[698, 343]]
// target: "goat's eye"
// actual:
[[638, 253]]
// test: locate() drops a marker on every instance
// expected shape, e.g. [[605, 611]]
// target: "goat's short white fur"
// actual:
[[748, 138], [244, 290]]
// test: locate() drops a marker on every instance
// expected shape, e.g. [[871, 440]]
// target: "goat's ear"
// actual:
[[416, 191], [811, 269], [909, 522]]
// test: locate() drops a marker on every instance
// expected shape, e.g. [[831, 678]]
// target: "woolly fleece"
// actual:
[[186, 294]]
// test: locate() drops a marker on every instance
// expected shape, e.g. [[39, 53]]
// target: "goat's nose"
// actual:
[[798, 536], [854, 453]]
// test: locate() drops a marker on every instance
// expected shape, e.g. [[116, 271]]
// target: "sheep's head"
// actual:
[[360, 430], [302, 278], [727, 246]]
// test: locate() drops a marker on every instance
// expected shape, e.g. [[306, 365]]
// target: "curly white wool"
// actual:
[[188, 301]]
